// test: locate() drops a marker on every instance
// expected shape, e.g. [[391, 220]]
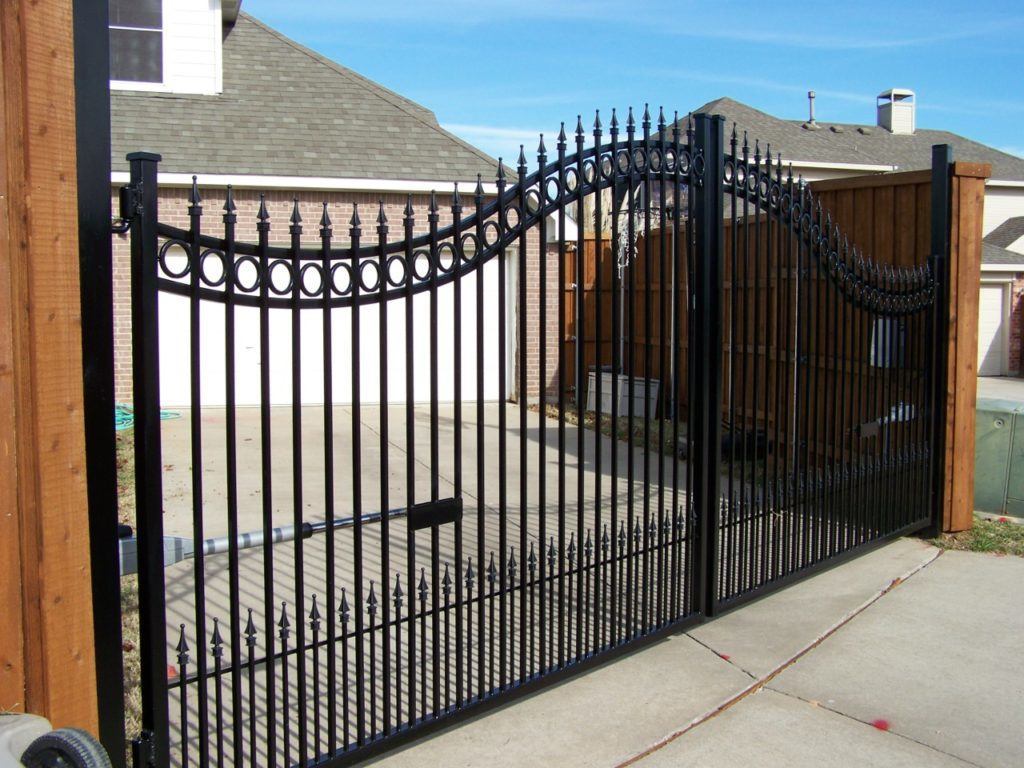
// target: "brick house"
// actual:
[[219, 94]]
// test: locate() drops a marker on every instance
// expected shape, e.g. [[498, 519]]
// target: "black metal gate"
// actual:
[[754, 401]]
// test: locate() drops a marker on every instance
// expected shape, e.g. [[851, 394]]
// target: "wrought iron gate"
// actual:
[[754, 401]]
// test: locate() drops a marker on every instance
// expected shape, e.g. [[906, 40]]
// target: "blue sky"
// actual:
[[498, 73]]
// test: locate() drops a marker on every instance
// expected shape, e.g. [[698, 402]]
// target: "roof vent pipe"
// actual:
[[810, 99]]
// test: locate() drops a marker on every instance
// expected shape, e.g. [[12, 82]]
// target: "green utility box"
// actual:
[[999, 457]]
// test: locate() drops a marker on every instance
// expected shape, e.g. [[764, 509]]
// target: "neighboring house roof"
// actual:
[[287, 111], [993, 254], [852, 143], [1007, 233]]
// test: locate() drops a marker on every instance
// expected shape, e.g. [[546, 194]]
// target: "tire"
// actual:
[[66, 748]]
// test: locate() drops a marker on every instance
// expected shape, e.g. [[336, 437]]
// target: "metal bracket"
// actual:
[[129, 205], [431, 513]]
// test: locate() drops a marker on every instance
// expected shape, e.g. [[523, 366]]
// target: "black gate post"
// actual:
[[151, 749], [706, 401], [938, 336]]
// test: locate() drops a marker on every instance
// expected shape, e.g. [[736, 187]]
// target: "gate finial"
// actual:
[[630, 122], [614, 125], [410, 215], [478, 193], [542, 151], [325, 222], [661, 119], [646, 120], [522, 160], [382, 219], [262, 216], [561, 137], [355, 223], [296, 218], [193, 196]]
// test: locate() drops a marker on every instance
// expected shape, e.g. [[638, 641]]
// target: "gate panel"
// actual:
[[826, 397], [415, 517]]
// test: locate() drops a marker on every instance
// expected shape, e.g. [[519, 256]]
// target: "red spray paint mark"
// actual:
[[172, 673], [1004, 520], [725, 656], [882, 725]]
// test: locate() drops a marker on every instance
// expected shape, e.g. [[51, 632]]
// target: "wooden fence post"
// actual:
[[47, 663], [967, 201]]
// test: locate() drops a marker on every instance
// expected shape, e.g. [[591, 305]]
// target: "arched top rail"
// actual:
[[261, 274], [882, 288]]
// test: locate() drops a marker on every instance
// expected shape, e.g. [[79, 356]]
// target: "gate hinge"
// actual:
[[143, 749], [129, 206]]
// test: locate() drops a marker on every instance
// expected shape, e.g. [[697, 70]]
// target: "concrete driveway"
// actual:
[[904, 657]]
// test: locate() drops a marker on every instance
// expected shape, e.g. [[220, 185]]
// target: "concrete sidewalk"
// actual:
[[903, 657]]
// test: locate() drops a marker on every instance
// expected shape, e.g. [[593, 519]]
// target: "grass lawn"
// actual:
[[994, 536]]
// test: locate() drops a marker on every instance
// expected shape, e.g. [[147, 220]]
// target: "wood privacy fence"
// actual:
[[889, 219]]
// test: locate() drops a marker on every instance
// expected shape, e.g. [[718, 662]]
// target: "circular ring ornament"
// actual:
[[203, 274], [344, 288], [447, 258], [274, 283], [251, 265], [492, 233], [396, 272], [421, 265], [304, 286], [166, 255]]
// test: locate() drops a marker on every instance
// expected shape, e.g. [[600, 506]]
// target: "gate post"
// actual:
[[151, 748], [706, 410], [938, 346]]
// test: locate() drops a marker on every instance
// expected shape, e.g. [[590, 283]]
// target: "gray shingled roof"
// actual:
[[993, 254], [1007, 233], [288, 111], [852, 143]]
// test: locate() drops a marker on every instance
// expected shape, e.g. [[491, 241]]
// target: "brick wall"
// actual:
[[1016, 339], [173, 203]]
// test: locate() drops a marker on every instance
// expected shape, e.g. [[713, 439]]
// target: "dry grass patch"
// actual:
[[998, 537]]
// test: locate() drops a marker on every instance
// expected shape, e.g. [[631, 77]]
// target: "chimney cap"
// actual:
[[897, 94]]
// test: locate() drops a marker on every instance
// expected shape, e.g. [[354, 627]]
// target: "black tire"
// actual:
[[66, 748]]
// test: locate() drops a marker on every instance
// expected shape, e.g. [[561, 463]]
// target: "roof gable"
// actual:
[[287, 111], [1007, 233]]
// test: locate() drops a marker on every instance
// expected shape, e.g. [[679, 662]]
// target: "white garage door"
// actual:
[[991, 336]]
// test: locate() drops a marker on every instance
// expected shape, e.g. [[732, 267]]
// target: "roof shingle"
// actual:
[[853, 143], [288, 111]]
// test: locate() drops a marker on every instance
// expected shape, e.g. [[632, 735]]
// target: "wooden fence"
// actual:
[[888, 217]]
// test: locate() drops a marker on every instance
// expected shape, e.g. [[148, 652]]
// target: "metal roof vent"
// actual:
[[896, 110]]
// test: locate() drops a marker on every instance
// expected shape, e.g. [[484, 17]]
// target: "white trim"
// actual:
[[1003, 183], [870, 167], [1011, 268], [318, 183]]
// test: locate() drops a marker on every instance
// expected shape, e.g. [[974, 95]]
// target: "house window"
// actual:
[[136, 41]]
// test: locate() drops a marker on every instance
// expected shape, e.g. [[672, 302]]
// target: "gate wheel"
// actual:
[[66, 748]]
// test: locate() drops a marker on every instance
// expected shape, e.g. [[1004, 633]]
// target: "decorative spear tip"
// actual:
[[501, 170], [216, 639], [314, 612], [296, 217], [194, 197], [433, 201], [355, 222], [382, 218], [630, 122], [579, 125], [479, 191], [456, 199], [615, 120], [661, 118], [182, 647], [408, 207], [561, 133], [229, 200], [522, 157], [647, 114], [541, 149], [283, 621], [262, 215], [325, 218]]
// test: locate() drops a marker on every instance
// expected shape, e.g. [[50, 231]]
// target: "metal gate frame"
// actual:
[[710, 173]]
